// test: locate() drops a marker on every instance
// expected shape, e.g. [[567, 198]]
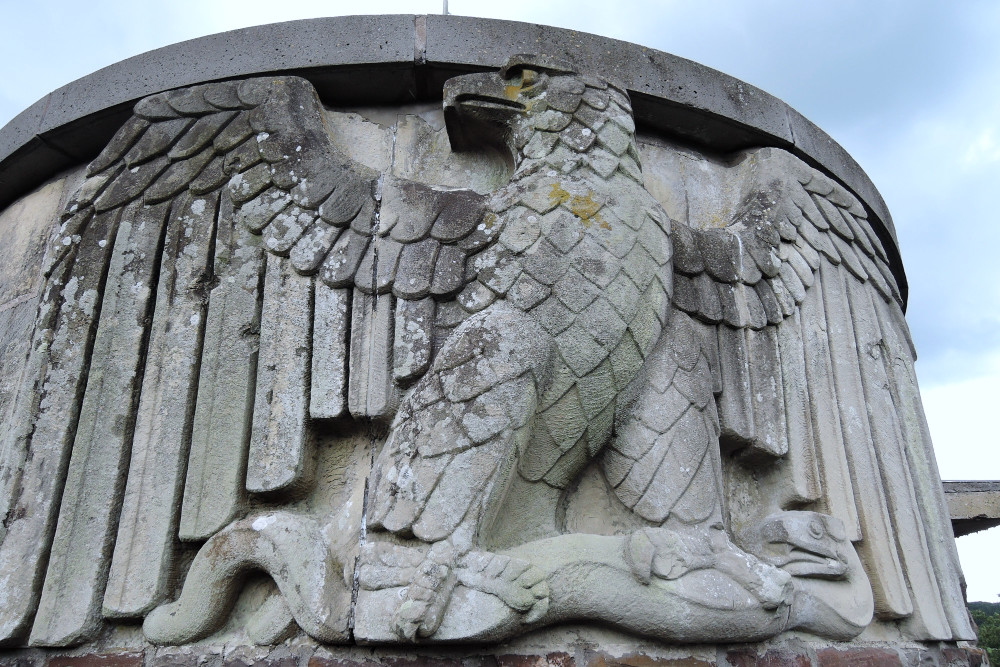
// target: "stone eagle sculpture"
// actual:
[[227, 281]]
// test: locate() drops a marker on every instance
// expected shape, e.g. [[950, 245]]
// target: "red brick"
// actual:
[[772, 658], [642, 660], [98, 660], [858, 657], [549, 660], [960, 657]]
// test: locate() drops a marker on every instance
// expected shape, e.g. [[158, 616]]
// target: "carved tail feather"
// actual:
[[288, 547]]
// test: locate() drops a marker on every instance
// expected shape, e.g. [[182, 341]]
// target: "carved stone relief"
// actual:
[[455, 376]]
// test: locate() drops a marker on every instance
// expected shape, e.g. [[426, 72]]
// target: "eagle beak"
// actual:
[[478, 109]]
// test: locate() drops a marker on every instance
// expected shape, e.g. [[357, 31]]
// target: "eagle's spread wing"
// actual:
[[235, 274], [814, 372]]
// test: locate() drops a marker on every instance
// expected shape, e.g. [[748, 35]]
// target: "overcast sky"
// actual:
[[910, 88]]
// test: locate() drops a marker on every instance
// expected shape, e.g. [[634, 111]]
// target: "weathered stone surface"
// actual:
[[331, 328], [973, 506], [69, 609], [42, 425], [98, 660], [140, 568], [279, 437], [27, 224], [459, 376], [213, 490], [371, 391], [286, 546], [797, 654]]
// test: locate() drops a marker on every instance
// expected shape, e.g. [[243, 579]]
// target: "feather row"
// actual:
[[264, 139], [772, 250]]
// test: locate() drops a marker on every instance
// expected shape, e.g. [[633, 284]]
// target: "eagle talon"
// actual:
[[668, 554], [427, 596]]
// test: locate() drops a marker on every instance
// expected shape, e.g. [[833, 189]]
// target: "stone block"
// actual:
[[857, 657], [130, 659], [595, 659], [776, 657]]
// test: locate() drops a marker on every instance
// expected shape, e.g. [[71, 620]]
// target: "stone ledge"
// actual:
[[789, 655], [973, 505], [407, 57]]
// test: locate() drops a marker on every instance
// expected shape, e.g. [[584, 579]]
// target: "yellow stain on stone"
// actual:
[[716, 221], [489, 220], [558, 195], [582, 206], [585, 207]]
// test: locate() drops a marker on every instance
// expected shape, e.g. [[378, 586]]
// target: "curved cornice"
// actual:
[[393, 59]]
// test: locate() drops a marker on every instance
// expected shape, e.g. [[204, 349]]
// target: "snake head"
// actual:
[[805, 544]]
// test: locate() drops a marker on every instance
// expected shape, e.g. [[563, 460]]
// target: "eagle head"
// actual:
[[538, 108]]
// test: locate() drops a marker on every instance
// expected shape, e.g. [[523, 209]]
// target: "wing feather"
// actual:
[[286, 228], [769, 302], [212, 177], [837, 485], [929, 618], [770, 430], [878, 548], [69, 609], [279, 436], [413, 338], [156, 140], [130, 183], [124, 139], [735, 402], [140, 573], [341, 266], [201, 134], [371, 390], [802, 459], [899, 358], [850, 259], [837, 357], [213, 488], [309, 251], [176, 178], [809, 254], [331, 327], [46, 423], [832, 214]]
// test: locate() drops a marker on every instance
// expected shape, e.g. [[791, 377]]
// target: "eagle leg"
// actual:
[[664, 464], [664, 461], [453, 448], [428, 593]]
